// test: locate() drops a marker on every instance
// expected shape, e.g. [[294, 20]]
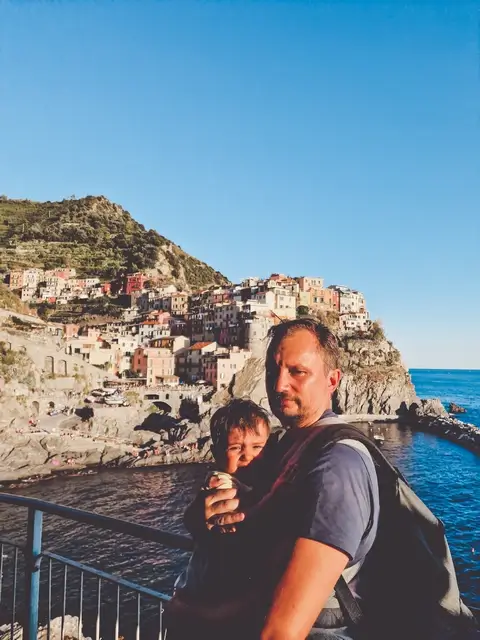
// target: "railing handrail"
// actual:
[[173, 540]]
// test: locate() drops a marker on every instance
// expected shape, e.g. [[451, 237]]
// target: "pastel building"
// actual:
[[219, 368]]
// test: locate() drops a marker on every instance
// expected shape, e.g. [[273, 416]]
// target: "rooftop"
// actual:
[[199, 345]]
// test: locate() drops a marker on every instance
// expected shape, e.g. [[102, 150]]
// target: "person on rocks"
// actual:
[[307, 532], [239, 433]]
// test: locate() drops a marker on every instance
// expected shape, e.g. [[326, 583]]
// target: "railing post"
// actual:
[[32, 573]]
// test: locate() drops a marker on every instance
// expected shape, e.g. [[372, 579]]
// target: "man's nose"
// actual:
[[282, 382]]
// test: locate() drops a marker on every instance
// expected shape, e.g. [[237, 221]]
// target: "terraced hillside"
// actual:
[[95, 236]]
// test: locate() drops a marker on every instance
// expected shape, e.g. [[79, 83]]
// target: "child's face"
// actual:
[[243, 447]]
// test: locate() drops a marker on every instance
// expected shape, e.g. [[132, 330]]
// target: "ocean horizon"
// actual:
[[440, 369], [461, 386]]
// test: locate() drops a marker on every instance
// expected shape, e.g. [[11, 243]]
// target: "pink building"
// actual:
[[157, 365]]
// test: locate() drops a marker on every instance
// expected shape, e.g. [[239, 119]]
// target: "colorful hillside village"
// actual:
[[166, 337]]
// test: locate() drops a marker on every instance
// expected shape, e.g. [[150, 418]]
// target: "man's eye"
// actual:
[[298, 372], [234, 449], [258, 446]]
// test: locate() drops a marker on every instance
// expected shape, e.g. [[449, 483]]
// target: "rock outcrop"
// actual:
[[248, 383], [465, 434], [431, 407], [374, 380], [456, 408], [119, 437]]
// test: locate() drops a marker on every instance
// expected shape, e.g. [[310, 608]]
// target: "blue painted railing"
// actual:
[[26, 612]]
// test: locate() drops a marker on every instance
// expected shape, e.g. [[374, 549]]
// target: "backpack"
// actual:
[[413, 589]]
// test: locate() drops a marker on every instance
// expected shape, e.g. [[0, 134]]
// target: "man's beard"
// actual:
[[286, 408]]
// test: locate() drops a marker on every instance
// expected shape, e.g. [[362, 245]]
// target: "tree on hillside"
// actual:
[[376, 331], [302, 310], [330, 319]]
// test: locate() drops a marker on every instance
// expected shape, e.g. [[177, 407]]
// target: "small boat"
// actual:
[[116, 401], [378, 438]]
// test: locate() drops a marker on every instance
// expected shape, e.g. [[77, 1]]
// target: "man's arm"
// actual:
[[304, 588]]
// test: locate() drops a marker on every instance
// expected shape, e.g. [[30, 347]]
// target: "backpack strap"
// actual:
[[348, 603], [343, 593]]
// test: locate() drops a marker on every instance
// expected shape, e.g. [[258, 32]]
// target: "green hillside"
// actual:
[[10, 301], [95, 236]]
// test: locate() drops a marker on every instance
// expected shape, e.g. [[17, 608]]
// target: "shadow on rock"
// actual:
[[157, 422], [85, 413]]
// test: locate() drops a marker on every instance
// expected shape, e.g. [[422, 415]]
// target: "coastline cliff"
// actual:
[[374, 381]]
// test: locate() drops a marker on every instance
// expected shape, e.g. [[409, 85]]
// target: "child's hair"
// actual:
[[240, 414]]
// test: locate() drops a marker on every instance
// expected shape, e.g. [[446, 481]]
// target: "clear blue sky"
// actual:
[[338, 139]]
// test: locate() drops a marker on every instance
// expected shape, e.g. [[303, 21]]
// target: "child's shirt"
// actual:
[[214, 557]]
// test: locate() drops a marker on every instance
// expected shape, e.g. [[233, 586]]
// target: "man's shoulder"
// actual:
[[344, 458]]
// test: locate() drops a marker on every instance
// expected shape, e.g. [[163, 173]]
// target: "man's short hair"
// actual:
[[239, 413], [326, 339]]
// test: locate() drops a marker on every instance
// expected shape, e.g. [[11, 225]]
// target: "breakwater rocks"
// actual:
[[463, 433], [455, 408], [431, 416]]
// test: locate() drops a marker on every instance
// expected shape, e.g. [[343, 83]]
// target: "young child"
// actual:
[[239, 432]]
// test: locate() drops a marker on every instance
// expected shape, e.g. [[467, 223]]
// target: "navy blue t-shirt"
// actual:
[[340, 501]]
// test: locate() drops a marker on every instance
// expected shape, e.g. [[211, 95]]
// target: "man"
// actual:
[[336, 524]]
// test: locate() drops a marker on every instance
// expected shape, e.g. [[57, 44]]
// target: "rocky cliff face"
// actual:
[[374, 380]]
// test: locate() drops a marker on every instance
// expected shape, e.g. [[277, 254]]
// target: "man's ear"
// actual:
[[334, 377]]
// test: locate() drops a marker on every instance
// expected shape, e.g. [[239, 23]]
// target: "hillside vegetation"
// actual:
[[15, 365], [95, 236], [11, 302]]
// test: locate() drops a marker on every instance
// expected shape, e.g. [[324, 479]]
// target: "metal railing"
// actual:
[[21, 601], [35, 561]]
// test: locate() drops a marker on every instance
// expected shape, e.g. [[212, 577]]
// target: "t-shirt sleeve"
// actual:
[[337, 500]]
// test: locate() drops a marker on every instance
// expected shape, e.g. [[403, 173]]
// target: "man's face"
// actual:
[[299, 386], [243, 447]]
